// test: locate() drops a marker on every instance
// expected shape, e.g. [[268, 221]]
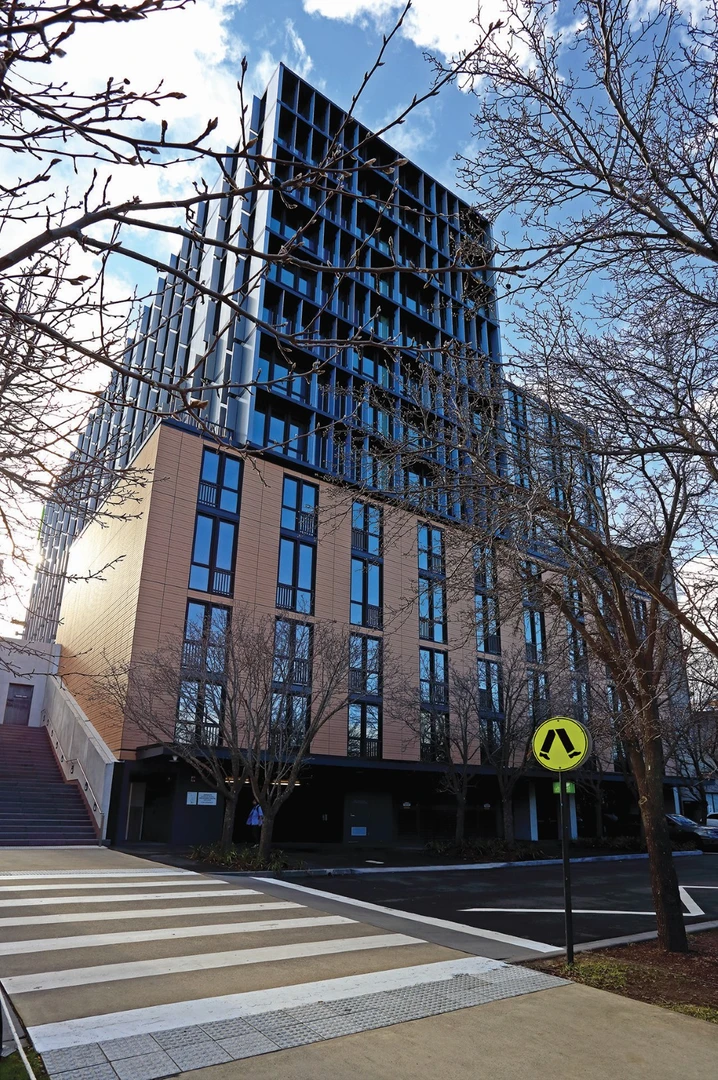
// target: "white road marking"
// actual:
[[689, 903], [556, 911], [172, 965], [100, 885], [692, 908], [18, 875], [140, 913], [119, 898], [444, 924], [168, 933], [91, 1029]]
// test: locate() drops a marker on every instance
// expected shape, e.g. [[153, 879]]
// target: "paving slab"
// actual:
[[71, 858], [570, 1032]]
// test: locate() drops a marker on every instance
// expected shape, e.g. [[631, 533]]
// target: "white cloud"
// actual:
[[444, 27], [189, 50], [303, 62], [293, 52]]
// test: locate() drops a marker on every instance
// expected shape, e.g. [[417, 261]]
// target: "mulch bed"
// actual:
[[685, 982]]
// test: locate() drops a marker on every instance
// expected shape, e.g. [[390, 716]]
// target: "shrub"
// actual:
[[490, 849], [617, 845], [629, 845], [243, 858]]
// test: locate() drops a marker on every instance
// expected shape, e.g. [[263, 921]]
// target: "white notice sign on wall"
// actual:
[[207, 798]]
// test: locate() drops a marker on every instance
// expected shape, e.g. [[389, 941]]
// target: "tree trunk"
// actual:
[[460, 829], [507, 812], [265, 837], [648, 772], [230, 812]]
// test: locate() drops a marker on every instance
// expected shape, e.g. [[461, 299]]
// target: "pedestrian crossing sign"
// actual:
[[561, 744]]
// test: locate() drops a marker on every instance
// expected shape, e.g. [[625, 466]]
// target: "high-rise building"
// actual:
[[317, 368]]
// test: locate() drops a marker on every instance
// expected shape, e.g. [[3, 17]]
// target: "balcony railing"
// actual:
[[436, 693], [363, 748], [434, 750], [293, 599], [222, 582], [491, 643], [357, 681], [207, 494], [197, 734], [373, 617], [307, 522], [286, 597], [360, 540], [194, 655], [435, 563]]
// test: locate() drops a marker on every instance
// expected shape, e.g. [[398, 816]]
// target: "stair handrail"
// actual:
[[71, 763]]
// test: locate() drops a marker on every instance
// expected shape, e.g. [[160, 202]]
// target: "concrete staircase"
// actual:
[[38, 807]]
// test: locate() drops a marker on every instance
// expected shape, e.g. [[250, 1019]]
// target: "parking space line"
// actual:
[[557, 911], [400, 913], [692, 908]]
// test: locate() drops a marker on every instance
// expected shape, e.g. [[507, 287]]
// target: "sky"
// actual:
[[198, 51]]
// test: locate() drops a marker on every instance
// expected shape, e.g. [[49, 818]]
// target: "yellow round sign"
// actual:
[[560, 744]]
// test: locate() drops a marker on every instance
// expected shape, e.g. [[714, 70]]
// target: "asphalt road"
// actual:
[[611, 899]]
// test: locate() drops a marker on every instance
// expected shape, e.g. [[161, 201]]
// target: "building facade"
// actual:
[[278, 502]]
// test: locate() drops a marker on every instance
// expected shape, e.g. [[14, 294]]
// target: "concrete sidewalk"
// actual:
[[568, 1033]]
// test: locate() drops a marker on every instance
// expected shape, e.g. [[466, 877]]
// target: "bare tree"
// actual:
[[693, 741], [89, 187], [240, 702], [449, 736], [605, 115], [596, 139]]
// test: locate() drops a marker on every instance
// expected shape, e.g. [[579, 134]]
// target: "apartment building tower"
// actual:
[[293, 531]]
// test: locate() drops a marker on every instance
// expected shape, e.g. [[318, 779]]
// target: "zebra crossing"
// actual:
[[117, 977]]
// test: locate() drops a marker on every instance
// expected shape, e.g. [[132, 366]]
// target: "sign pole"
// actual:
[[565, 852], [561, 744]]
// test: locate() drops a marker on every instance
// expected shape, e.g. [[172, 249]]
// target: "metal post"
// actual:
[[565, 851]]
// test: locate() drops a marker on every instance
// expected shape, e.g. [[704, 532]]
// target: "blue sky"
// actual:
[[198, 50], [340, 52]]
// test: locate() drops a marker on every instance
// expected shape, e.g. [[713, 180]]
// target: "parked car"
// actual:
[[712, 818], [683, 828]]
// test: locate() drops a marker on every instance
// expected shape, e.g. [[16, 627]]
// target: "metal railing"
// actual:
[[87, 788], [359, 540], [297, 672], [222, 582], [373, 617], [207, 495], [357, 680], [286, 597], [438, 693], [70, 764], [307, 522], [492, 643], [363, 748]]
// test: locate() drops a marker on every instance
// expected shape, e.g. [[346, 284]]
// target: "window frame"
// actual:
[[216, 525]]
